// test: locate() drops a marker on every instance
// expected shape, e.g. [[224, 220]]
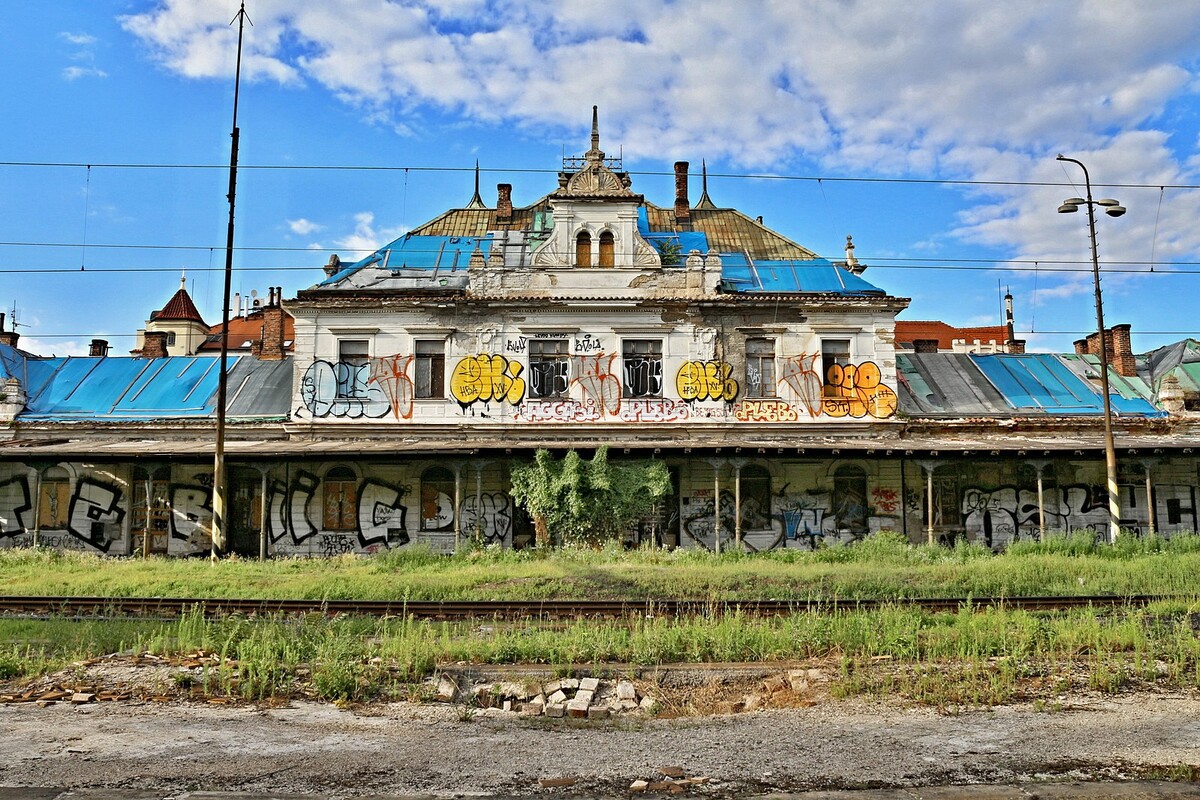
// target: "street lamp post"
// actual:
[[1113, 209]]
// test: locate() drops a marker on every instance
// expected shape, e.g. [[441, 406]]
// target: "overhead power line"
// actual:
[[544, 171]]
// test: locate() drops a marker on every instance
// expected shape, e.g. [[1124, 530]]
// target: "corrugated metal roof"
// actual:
[[135, 389], [951, 384], [411, 251]]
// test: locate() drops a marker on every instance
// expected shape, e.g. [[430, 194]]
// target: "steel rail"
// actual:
[[537, 609]]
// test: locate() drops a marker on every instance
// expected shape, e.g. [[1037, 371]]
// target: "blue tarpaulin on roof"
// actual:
[[687, 240], [808, 275], [420, 252], [121, 388]]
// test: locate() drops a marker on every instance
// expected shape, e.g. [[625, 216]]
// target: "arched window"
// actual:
[[850, 499], [607, 249], [583, 249], [340, 499], [437, 499], [756, 498]]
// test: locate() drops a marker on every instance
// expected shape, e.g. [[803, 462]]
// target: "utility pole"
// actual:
[[219, 532]]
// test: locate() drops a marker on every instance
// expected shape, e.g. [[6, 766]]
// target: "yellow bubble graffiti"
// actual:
[[858, 392], [485, 378], [706, 380]]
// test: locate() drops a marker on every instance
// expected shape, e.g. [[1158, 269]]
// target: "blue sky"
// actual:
[[932, 126]]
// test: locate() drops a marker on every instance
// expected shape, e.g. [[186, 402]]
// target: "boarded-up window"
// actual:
[[643, 367], [850, 499], [437, 499], [548, 368], [755, 488], [54, 501], [835, 355], [341, 500], [583, 249]]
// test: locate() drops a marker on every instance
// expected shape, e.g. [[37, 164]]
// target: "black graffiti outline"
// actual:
[[18, 511], [94, 512]]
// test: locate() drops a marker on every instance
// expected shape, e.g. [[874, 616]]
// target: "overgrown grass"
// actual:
[[883, 566], [971, 656]]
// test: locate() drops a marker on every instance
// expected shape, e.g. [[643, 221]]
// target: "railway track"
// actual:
[[166, 607]]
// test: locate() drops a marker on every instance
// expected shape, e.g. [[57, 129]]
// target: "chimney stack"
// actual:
[[1122, 351], [683, 210], [8, 337], [269, 346], [333, 267], [154, 345], [504, 207], [98, 347]]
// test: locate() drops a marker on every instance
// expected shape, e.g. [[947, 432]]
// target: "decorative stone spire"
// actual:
[[595, 154], [852, 262]]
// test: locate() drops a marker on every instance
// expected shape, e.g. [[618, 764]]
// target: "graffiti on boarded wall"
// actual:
[[1007, 513], [597, 382], [342, 389], [699, 519], [15, 506], [799, 374], [378, 516], [191, 514], [488, 516]]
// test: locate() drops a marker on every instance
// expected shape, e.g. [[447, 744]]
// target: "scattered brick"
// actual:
[[671, 772]]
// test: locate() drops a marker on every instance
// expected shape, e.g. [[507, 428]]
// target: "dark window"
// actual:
[[643, 367], [340, 500], [1174, 511], [607, 249], [755, 498], [947, 499], [583, 249], [548, 372], [431, 369], [760, 367], [437, 499], [835, 355], [850, 499], [352, 369], [170, 337]]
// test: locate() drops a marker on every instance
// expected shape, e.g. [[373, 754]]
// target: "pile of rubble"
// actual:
[[579, 698]]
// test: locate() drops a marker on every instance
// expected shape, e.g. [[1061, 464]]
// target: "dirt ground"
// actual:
[[153, 735]]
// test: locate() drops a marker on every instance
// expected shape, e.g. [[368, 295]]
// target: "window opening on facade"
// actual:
[[947, 508], [340, 499], [437, 499], [352, 368], [643, 367], [755, 498], [835, 355], [430, 377], [850, 499], [583, 249], [760, 367], [150, 519], [548, 368], [607, 249]]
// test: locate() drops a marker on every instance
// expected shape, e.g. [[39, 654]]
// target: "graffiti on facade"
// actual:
[[437, 509], [597, 382], [95, 513], [766, 410], [487, 378], [803, 516], [390, 375], [382, 518], [191, 512], [699, 522], [800, 374], [706, 380], [1005, 514], [854, 390], [488, 516], [655, 409], [885, 501], [588, 344], [336, 544], [342, 389], [15, 506], [557, 411]]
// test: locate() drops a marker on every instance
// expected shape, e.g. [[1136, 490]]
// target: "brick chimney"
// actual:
[[1016, 346], [154, 345], [269, 345], [504, 203], [925, 345], [98, 347], [1122, 351], [683, 210], [1081, 347], [334, 266], [8, 337]]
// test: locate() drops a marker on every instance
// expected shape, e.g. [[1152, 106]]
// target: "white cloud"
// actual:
[[365, 237], [303, 227], [75, 73], [81, 39]]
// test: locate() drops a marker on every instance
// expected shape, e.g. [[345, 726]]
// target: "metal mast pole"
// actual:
[[1110, 451], [219, 532]]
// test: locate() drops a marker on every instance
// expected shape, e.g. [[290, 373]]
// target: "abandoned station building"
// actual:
[[385, 405]]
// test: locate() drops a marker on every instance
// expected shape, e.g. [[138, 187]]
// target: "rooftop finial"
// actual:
[[183, 279], [595, 153], [705, 201], [476, 199]]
